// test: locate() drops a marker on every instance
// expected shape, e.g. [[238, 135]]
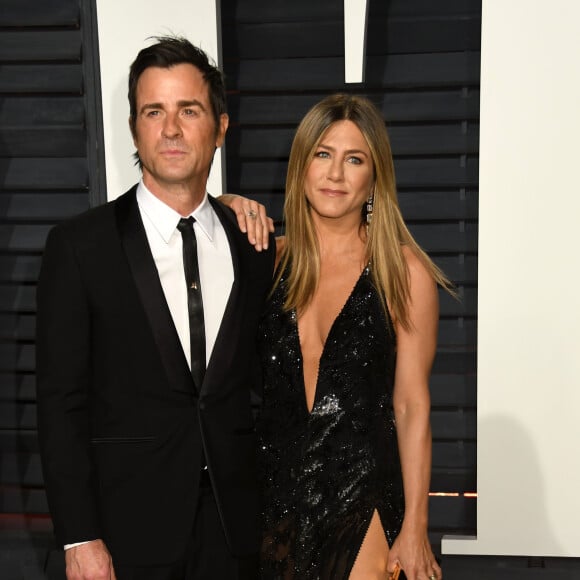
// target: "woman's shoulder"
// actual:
[[420, 275]]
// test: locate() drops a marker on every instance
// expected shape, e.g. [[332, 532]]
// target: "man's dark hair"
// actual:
[[169, 51]]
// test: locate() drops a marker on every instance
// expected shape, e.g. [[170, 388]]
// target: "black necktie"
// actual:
[[194, 300]]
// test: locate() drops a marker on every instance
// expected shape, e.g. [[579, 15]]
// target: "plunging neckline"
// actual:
[[323, 352]]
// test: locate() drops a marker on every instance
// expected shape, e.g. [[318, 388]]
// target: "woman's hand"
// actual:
[[252, 219], [413, 553]]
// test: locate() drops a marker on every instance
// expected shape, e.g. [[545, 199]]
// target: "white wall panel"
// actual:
[[529, 303], [124, 28]]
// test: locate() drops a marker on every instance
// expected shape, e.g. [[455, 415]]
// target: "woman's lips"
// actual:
[[332, 192]]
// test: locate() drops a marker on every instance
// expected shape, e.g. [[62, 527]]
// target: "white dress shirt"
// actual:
[[216, 270], [214, 256]]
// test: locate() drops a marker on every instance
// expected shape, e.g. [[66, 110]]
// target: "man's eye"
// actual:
[[189, 112], [152, 113]]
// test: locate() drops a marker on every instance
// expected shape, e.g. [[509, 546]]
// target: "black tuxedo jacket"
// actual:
[[121, 423]]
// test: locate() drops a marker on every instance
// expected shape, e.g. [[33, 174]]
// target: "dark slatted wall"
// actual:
[[422, 71], [49, 128]]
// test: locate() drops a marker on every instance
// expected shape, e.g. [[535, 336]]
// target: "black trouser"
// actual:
[[208, 557]]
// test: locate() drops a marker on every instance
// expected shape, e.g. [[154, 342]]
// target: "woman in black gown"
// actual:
[[347, 343]]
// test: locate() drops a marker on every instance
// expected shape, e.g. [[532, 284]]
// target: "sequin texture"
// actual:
[[325, 472]]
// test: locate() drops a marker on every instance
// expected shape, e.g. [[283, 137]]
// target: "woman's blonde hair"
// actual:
[[387, 232]]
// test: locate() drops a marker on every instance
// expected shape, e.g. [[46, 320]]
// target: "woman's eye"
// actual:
[[354, 160], [322, 154]]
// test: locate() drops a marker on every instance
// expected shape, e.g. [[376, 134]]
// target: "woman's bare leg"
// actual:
[[371, 561]]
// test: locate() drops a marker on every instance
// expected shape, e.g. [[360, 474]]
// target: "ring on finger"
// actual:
[[252, 214], [432, 577]]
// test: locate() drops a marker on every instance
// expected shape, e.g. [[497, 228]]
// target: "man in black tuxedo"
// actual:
[[147, 441]]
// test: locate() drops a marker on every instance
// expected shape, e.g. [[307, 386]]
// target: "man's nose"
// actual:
[[171, 126]]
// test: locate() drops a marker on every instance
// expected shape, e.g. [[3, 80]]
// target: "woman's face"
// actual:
[[340, 176]]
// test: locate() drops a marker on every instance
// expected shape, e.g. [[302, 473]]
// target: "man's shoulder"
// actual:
[[263, 260], [226, 215], [95, 220]]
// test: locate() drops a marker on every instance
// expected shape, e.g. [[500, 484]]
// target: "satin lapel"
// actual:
[[229, 329], [149, 287]]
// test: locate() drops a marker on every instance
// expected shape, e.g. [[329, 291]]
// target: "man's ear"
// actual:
[[223, 127]]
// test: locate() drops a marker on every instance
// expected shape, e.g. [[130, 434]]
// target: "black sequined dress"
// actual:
[[325, 472]]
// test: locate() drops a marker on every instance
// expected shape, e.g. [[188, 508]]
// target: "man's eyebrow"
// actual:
[[191, 103], [180, 104]]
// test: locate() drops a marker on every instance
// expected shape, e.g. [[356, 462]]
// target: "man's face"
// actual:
[[175, 133]]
